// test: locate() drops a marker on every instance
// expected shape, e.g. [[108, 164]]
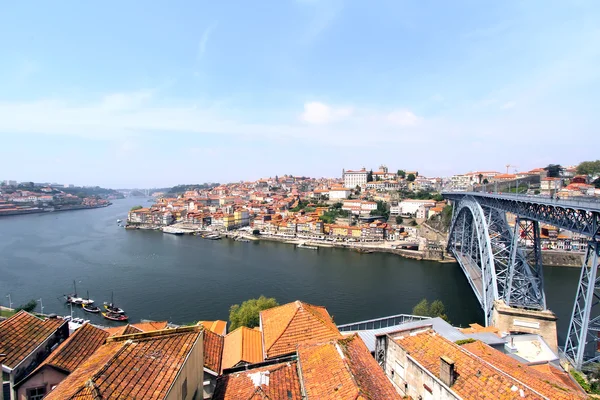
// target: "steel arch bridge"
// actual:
[[505, 263]]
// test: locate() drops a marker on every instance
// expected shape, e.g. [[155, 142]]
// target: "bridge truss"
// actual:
[[505, 264]]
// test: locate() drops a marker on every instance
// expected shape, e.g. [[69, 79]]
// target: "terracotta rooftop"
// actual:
[[551, 384], [141, 327], [476, 377], [242, 345], [76, 349], [219, 327], [476, 328], [286, 326], [140, 366], [22, 333], [343, 369], [213, 351], [278, 381]]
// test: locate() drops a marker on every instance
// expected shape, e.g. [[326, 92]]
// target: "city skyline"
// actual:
[[153, 95]]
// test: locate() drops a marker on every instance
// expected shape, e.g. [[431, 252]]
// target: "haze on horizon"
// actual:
[[150, 94]]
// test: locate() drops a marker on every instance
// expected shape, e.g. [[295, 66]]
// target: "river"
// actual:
[[185, 278]]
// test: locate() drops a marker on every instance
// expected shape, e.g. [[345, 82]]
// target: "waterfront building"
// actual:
[[353, 179], [165, 364], [25, 341]]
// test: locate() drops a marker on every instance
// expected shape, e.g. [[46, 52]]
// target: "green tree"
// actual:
[[29, 306], [596, 183], [399, 220], [485, 181], [422, 308], [411, 177], [247, 314], [136, 208], [401, 174], [480, 176], [553, 170], [591, 168], [370, 176]]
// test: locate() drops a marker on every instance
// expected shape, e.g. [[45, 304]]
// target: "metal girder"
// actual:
[[495, 259], [577, 216], [469, 243], [583, 327]]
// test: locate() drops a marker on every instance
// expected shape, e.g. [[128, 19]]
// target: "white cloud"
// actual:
[[204, 40], [319, 113], [403, 118]]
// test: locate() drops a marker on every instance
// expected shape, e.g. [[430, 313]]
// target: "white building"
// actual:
[[353, 179], [411, 207], [339, 193]]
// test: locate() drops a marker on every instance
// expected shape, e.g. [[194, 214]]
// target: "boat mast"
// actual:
[[74, 288]]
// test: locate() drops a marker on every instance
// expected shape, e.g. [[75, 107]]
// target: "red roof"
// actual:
[[213, 351], [288, 325], [22, 333]]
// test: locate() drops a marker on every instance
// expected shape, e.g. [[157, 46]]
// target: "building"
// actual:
[[353, 179], [213, 354], [339, 193], [284, 327], [550, 185], [61, 362], [25, 341], [424, 364], [409, 208], [241, 347], [165, 364]]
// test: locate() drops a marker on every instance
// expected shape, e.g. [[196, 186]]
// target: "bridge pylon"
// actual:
[[582, 337]]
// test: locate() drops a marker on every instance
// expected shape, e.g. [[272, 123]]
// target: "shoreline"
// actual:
[[42, 211], [561, 259]]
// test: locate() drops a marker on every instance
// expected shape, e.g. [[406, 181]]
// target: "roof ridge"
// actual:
[[266, 351], [320, 317]]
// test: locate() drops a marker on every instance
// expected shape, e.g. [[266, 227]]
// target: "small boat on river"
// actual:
[[111, 307], [90, 308], [305, 246], [73, 298], [114, 316]]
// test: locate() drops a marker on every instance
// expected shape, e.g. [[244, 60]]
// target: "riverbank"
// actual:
[[51, 209]]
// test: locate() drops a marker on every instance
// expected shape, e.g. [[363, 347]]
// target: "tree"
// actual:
[[435, 309], [591, 168], [399, 220], [247, 314], [480, 176], [401, 174], [411, 177], [29, 306], [485, 181], [422, 308], [596, 183], [370, 176], [136, 208], [553, 170]]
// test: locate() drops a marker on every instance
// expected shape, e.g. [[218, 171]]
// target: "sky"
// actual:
[[153, 93]]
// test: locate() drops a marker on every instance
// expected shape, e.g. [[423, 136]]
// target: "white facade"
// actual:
[[410, 207], [339, 194], [353, 179]]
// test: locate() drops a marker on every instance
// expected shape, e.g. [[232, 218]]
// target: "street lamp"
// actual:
[[9, 301]]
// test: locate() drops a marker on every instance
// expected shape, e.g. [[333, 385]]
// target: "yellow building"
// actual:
[[229, 221]]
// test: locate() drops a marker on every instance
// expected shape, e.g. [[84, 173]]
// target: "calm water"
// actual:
[[185, 278]]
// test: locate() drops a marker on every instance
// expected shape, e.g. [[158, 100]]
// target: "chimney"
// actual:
[[447, 374]]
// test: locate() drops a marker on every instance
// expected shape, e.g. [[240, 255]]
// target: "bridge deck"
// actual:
[[474, 273]]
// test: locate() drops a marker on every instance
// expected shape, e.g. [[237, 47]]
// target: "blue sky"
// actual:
[[148, 93]]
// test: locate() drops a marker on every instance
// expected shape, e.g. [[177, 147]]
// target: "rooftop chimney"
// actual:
[[447, 374]]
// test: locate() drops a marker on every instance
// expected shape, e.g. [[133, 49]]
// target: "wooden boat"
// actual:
[[364, 251], [90, 308], [114, 316], [111, 308]]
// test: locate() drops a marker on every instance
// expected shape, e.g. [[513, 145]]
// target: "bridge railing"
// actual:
[[379, 323], [584, 202]]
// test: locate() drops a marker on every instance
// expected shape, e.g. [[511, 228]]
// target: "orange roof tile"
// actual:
[[548, 384], [278, 381], [242, 345], [219, 327], [476, 328], [76, 349], [476, 378], [286, 326], [213, 351], [130, 329], [22, 333], [343, 369], [140, 366]]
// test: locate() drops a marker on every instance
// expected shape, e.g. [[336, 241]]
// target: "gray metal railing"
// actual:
[[379, 323]]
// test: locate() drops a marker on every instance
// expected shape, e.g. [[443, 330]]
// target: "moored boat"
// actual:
[[111, 307], [305, 246], [114, 316], [90, 308]]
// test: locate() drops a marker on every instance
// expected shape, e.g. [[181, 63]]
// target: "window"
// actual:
[[36, 393], [184, 389]]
